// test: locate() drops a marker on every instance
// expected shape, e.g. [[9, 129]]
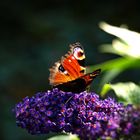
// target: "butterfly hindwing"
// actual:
[[80, 84]]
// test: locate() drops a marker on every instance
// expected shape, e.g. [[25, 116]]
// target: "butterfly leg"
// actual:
[[68, 100]]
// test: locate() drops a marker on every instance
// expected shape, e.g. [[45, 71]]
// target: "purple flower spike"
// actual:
[[84, 114]]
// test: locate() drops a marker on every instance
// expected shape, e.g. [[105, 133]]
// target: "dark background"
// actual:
[[35, 34]]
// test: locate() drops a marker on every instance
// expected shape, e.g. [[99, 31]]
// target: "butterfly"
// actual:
[[69, 73]]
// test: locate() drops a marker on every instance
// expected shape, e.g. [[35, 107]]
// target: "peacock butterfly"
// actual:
[[69, 74]]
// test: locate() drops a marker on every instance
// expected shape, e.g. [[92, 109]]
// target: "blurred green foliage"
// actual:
[[128, 93], [34, 34], [127, 46]]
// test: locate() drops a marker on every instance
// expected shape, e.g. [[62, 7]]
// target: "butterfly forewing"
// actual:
[[70, 67]]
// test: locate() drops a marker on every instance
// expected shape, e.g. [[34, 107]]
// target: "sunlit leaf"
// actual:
[[64, 137], [129, 92], [129, 46], [105, 89], [117, 47]]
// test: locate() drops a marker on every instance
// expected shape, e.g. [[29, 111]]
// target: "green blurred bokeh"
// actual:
[[35, 34]]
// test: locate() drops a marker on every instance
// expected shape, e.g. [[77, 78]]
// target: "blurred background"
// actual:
[[35, 34]]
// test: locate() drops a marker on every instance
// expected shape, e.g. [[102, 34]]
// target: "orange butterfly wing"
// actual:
[[68, 68]]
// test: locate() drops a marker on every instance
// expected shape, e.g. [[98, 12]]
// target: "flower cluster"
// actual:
[[84, 114]]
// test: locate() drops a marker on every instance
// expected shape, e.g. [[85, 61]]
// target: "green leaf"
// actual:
[[117, 47], [112, 68], [129, 92], [109, 76], [105, 89], [118, 63], [64, 137], [129, 44]]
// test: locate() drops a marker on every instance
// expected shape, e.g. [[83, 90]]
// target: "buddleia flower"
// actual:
[[84, 114]]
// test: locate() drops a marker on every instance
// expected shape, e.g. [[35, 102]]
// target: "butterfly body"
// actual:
[[69, 74]]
